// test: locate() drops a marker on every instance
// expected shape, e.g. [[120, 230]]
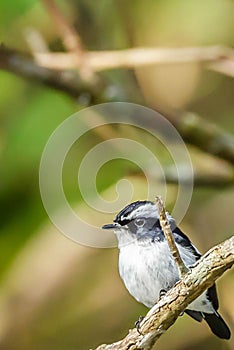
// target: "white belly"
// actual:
[[146, 269]]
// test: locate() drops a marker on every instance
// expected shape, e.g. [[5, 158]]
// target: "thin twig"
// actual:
[[143, 56], [165, 225], [224, 66], [71, 39], [35, 41], [164, 314]]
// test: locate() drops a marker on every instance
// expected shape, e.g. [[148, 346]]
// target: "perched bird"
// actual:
[[147, 267]]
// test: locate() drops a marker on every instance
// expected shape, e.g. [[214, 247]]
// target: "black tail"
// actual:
[[217, 325]]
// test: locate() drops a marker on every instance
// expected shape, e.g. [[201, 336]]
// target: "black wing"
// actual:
[[183, 240], [212, 297]]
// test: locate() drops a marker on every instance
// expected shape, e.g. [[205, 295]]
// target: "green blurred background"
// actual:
[[54, 293]]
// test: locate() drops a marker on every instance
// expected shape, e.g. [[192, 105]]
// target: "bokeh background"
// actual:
[[54, 293]]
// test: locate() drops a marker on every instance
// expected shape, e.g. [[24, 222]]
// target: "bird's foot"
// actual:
[[138, 322], [162, 293]]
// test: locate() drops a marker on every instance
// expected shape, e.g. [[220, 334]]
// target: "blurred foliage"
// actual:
[[87, 304]]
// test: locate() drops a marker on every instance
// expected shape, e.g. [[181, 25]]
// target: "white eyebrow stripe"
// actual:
[[147, 210]]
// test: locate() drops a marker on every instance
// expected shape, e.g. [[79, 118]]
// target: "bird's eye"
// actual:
[[140, 222]]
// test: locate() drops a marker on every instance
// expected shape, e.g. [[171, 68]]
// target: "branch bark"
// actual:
[[164, 314]]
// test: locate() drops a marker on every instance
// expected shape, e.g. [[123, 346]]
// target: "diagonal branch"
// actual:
[[205, 135], [169, 237], [66, 81], [164, 314], [71, 39], [69, 35]]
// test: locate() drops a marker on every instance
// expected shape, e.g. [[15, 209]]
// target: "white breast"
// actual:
[[148, 268]]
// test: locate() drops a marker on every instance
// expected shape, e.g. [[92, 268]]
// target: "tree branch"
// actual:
[[71, 39], [214, 56], [209, 180], [194, 129], [64, 80], [69, 35], [164, 314], [205, 135]]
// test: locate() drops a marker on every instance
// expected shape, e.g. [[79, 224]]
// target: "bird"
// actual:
[[147, 267]]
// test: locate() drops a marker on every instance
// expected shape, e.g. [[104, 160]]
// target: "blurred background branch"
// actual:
[[69, 35], [66, 81], [194, 129], [207, 136], [142, 56], [71, 39]]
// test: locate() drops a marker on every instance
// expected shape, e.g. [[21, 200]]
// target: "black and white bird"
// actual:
[[147, 267]]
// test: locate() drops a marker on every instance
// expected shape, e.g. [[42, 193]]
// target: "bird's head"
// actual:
[[137, 220]]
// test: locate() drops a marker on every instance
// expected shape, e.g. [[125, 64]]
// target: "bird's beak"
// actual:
[[110, 226]]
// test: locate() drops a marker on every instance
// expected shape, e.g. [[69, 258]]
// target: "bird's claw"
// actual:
[[137, 324], [162, 293]]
